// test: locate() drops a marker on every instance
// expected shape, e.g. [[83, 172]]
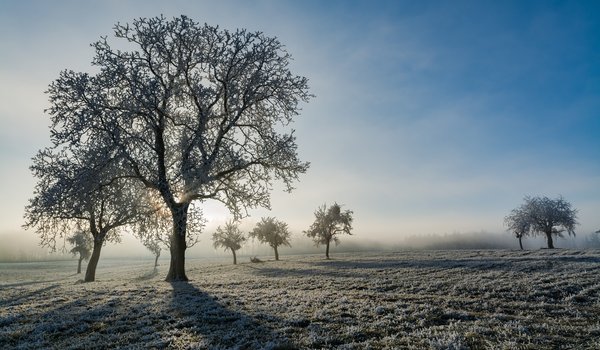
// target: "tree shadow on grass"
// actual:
[[27, 283], [205, 321], [85, 316], [134, 315], [148, 275], [18, 296], [436, 261], [276, 272]]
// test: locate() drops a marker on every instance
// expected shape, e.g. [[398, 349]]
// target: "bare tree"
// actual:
[[542, 215], [518, 222], [273, 232], [329, 224], [229, 237], [196, 112], [82, 247], [78, 188], [155, 248]]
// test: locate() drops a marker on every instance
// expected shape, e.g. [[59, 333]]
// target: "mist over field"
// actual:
[[22, 247]]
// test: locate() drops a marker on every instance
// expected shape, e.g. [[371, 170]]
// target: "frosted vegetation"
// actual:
[[542, 215], [329, 224], [272, 232], [543, 299], [82, 247], [184, 114], [229, 237]]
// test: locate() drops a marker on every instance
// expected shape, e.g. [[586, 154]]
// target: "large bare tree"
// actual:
[[329, 224], [543, 215], [196, 111]]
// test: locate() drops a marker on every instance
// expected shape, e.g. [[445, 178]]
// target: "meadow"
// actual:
[[473, 299]]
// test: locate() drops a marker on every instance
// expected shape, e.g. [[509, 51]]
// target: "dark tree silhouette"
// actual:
[[329, 224], [82, 247], [229, 237], [542, 215], [195, 112], [273, 232]]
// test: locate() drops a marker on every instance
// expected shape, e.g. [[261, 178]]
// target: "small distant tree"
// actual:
[[82, 246], [229, 237], [155, 248], [546, 216], [329, 223], [593, 241], [155, 229], [518, 222], [273, 232]]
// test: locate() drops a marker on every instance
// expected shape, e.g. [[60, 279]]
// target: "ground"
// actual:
[[495, 299]]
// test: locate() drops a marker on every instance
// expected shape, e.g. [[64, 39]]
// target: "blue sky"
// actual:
[[429, 117]]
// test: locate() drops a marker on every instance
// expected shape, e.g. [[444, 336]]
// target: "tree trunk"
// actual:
[[156, 260], [90, 273], [79, 264], [549, 239], [327, 250], [234, 257], [276, 253], [521, 242], [178, 245]]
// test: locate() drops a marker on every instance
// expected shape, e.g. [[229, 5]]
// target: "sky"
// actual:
[[430, 117]]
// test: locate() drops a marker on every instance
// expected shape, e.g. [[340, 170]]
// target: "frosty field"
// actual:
[[546, 299]]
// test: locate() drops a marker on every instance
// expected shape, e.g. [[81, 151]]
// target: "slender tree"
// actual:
[[519, 223], [154, 231], [82, 247], [78, 189], [329, 224], [542, 215], [273, 232], [195, 111], [229, 237], [155, 248]]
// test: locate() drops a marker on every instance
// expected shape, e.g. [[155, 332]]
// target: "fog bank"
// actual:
[[24, 246]]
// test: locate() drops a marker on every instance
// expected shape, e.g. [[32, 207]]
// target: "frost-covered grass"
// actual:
[[547, 299]]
